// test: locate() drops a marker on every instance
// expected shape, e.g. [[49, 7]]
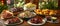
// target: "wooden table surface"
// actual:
[[46, 24]]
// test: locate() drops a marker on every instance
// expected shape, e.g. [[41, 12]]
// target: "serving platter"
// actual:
[[44, 21], [21, 21]]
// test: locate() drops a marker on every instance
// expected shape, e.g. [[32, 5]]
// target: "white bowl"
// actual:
[[29, 9], [28, 16]]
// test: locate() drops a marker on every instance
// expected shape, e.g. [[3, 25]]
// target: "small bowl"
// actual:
[[52, 19]]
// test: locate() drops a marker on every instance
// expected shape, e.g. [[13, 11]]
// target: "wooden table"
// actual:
[[46, 24]]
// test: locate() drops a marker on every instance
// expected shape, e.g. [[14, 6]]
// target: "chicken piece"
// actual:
[[38, 11], [52, 12], [46, 11], [36, 20], [6, 14]]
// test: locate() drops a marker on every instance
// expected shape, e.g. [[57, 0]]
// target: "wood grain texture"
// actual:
[[46, 24]]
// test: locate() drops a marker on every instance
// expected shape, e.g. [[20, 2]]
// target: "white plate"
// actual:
[[15, 23], [44, 21]]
